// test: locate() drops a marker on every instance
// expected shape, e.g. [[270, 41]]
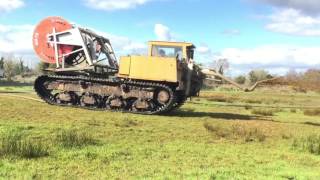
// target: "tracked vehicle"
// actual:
[[86, 73]]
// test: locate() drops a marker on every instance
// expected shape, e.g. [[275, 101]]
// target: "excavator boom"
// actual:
[[213, 75]]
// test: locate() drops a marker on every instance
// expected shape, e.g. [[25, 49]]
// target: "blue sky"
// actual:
[[277, 35]]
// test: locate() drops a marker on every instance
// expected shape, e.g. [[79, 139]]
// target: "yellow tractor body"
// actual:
[[155, 66], [148, 68]]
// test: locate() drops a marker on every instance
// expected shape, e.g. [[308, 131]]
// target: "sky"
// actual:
[[276, 35]]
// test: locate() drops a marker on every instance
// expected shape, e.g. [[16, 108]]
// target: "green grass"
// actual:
[[16, 88], [203, 140], [14, 144]]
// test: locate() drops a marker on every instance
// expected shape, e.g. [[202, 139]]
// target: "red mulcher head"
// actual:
[[45, 50]]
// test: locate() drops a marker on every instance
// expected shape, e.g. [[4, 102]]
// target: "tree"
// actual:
[[221, 65], [9, 69], [311, 79], [41, 67], [1, 62], [21, 66], [258, 75], [293, 78]]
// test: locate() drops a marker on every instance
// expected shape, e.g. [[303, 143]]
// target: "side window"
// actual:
[[154, 51]]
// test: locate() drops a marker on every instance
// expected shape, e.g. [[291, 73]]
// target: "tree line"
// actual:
[[12, 66], [300, 81]]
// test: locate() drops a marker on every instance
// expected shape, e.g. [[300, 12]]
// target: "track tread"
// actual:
[[45, 95]]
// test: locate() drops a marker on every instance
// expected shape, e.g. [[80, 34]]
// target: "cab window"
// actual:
[[166, 51]]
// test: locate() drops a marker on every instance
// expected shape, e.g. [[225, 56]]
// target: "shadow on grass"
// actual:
[[312, 124], [226, 116], [231, 116], [13, 83], [12, 92]]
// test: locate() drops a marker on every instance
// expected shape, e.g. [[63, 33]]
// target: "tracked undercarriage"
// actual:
[[108, 94]]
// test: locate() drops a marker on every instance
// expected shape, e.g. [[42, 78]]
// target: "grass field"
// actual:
[[220, 135]]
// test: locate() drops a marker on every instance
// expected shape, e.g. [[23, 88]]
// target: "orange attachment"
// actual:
[[45, 50]]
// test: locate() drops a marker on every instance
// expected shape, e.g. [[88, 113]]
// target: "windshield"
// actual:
[[166, 51]]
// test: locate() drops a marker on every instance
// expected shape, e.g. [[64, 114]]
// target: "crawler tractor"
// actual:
[[86, 72]]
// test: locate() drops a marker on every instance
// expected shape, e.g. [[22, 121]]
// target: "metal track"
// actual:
[[46, 95], [180, 101]]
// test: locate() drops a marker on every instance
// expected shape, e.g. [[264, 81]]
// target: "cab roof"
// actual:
[[169, 43]]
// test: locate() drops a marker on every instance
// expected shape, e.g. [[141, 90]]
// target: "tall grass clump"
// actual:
[[293, 110], [126, 123], [253, 101], [310, 144], [236, 132], [221, 98], [70, 138], [248, 134], [218, 130], [14, 144], [312, 112], [263, 112]]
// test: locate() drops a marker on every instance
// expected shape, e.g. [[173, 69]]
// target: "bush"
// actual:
[[14, 144], [310, 144], [263, 112], [302, 82], [240, 79], [258, 75], [70, 138], [312, 112]]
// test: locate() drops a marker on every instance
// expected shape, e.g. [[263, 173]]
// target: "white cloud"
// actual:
[[16, 39], [123, 45], [231, 32], [9, 5], [275, 58], [293, 22], [110, 5], [294, 17], [203, 49], [126, 46], [163, 33], [305, 6]]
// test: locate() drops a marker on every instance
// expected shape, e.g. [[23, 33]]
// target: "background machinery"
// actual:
[[86, 73]]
